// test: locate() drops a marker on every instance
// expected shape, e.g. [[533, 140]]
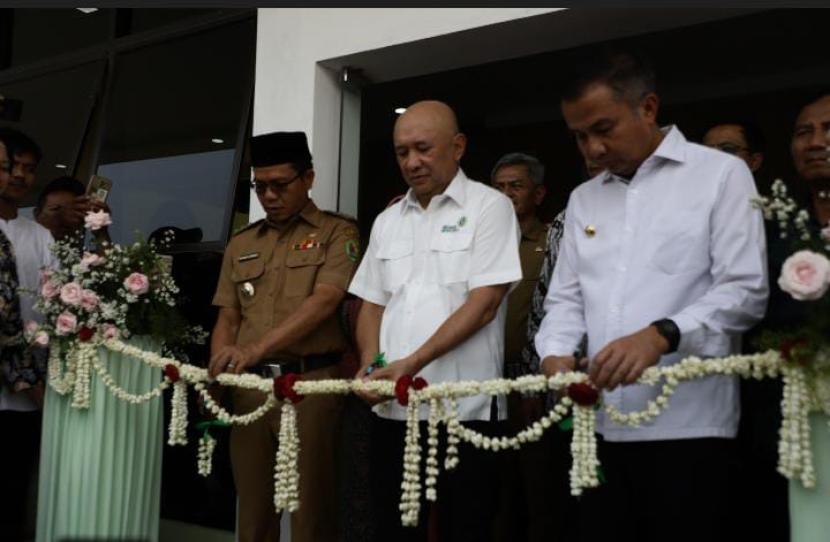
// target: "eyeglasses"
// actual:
[[277, 187], [730, 148]]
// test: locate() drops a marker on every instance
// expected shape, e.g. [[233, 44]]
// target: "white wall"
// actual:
[[295, 92]]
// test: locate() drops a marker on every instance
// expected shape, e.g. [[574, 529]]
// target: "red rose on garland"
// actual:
[[85, 334], [284, 388], [402, 387], [583, 394], [172, 372]]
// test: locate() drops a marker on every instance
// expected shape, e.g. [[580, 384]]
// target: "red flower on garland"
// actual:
[[284, 388], [172, 372], [583, 394], [85, 334], [402, 387]]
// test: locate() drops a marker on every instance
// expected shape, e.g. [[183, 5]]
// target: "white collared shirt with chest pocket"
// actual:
[[421, 265]]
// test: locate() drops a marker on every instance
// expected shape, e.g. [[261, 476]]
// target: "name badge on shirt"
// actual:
[[451, 228], [251, 256]]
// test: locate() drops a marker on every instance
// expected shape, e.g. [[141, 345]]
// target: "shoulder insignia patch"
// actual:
[[353, 250], [341, 215], [248, 227]]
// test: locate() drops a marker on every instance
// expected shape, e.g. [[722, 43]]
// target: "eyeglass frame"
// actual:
[[274, 186]]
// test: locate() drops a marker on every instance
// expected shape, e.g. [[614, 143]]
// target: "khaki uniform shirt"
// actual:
[[531, 251], [268, 271]]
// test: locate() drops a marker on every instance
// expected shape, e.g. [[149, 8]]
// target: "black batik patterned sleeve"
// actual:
[[530, 358], [18, 367]]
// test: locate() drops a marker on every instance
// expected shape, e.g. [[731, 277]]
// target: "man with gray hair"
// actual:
[[520, 177], [523, 504]]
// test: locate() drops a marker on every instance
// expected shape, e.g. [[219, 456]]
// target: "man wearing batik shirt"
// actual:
[[663, 257], [433, 282]]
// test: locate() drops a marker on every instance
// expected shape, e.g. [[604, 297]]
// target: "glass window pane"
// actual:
[[55, 113], [40, 33], [172, 126]]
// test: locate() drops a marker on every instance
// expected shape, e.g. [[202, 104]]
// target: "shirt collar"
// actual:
[[455, 191], [310, 214], [672, 147]]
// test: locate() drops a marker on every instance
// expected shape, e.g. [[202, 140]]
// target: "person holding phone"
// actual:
[[61, 207]]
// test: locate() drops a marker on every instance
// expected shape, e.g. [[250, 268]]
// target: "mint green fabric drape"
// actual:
[[100, 469], [810, 508]]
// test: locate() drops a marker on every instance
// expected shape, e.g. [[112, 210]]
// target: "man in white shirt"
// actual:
[[19, 411], [433, 281], [663, 257]]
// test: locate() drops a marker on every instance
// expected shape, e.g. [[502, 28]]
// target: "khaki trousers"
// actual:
[[253, 452]]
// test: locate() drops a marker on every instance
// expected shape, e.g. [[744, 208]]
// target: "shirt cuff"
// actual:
[[338, 280], [555, 348], [378, 297], [492, 279]]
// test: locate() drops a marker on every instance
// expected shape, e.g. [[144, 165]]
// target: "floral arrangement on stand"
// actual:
[[113, 293], [805, 276]]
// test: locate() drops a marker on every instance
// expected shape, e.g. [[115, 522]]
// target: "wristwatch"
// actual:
[[669, 331]]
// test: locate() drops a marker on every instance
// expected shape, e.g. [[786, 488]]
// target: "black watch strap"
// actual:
[[669, 331]]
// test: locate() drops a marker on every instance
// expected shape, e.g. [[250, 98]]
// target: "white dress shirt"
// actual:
[[30, 242], [682, 241], [421, 265]]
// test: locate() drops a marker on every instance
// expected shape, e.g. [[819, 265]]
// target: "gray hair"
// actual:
[[535, 168]]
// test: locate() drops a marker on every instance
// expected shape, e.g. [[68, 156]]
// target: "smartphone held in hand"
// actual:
[[98, 188]]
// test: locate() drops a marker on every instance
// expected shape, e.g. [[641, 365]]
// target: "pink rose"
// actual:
[[66, 323], [41, 338], [45, 274], [97, 220], [71, 293], [805, 275], [110, 331], [31, 327], [49, 289], [137, 283], [90, 259], [89, 300]]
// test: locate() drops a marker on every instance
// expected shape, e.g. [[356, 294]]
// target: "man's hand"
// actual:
[[234, 359], [393, 371], [369, 397], [552, 365], [623, 361]]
